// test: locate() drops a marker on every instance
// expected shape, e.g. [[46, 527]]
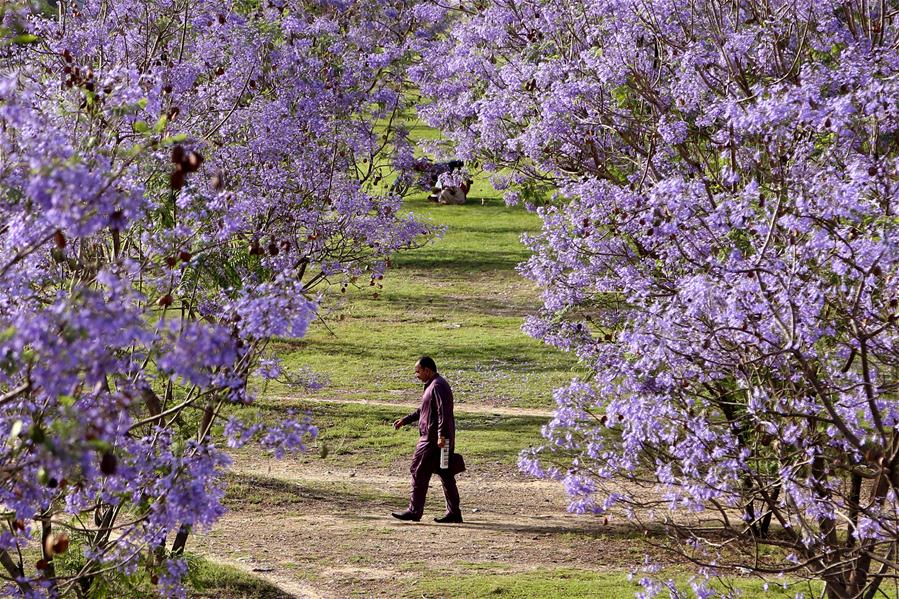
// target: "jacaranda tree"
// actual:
[[721, 253], [180, 182]]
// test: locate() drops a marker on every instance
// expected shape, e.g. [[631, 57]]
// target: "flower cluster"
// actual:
[[179, 183], [722, 253]]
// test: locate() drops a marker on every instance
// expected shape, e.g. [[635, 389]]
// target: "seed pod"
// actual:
[[184, 256], [108, 463], [217, 181], [178, 154], [273, 248], [192, 162], [56, 543], [171, 261], [42, 564], [165, 300], [177, 179]]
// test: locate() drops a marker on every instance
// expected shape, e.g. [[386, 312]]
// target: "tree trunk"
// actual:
[[180, 540], [46, 529], [14, 570]]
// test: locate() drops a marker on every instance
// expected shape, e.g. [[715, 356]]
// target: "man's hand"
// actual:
[[398, 423], [441, 442]]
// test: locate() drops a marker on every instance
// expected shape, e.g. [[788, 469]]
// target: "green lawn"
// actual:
[[570, 583], [353, 435], [210, 579], [458, 299]]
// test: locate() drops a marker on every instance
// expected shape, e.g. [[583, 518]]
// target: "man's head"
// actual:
[[425, 369]]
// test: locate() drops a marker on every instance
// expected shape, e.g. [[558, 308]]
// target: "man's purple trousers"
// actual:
[[425, 462]]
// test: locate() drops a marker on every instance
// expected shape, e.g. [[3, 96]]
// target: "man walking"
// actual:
[[437, 429]]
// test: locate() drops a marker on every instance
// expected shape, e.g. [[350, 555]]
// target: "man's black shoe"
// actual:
[[407, 515], [449, 519]]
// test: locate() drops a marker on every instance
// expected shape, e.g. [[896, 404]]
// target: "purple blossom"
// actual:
[[718, 249], [169, 208]]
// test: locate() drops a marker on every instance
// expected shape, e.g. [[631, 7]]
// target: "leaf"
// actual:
[[134, 151], [25, 38], [174, 139], [140, 126], [160, 125], [100, 445]]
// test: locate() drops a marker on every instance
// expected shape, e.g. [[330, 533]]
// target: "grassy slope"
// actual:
[[458, 299]]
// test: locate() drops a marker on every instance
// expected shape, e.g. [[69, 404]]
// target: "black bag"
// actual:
[[457, 464]]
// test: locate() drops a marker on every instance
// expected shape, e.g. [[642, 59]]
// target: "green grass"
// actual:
[[210, 579], [264, 493], [574, 584], [204, 579], [458, 299], [363, 434]]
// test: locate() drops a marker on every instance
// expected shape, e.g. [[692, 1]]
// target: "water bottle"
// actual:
[[444, 457]]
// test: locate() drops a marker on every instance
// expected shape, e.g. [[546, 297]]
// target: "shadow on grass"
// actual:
[[487, 228], [368, 417], [476, 306], [461, 264], [587, 530], [474, 353], [245, 491], [514, 426]]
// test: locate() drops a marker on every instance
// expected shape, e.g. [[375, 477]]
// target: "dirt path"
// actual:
[[327, 533]]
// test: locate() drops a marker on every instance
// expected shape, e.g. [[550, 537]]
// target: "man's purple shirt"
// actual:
[[435, 415]]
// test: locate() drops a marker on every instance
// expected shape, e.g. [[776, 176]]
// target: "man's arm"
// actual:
[[441, 400], [413, 417]]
